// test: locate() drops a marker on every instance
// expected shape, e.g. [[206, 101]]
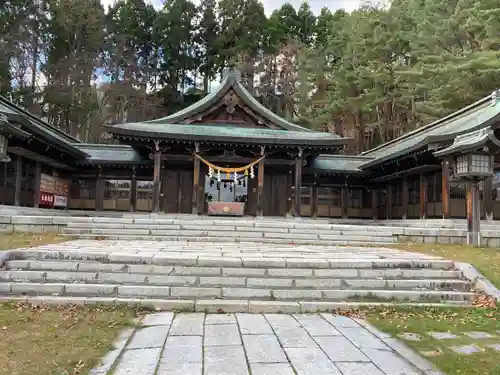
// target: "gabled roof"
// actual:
[[230, 134], [230, 82], [40, 128], [114, 154], [476, 116]]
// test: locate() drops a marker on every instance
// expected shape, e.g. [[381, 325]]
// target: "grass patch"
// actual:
[[486, 260], [455, 320], [19, 240], [57, 341]]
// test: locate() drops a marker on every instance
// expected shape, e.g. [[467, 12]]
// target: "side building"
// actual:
[[229, 148]]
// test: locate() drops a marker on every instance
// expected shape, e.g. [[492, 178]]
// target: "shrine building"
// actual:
[[229, 155]]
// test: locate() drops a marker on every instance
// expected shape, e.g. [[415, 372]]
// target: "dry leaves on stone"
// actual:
[[485, 301]]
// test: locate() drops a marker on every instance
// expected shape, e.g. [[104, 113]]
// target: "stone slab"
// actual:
[[443, 335], [271, 369], [263, 349], [465, 349], [158, 319], [138, 362], [190, 324], [253, 324], [225, 360], [478, 335], [340, 349], [149, 337], [494, 347], [222, 334], [175, 368], [220, 319], [340, 321], [390, 363], [183, 349], [353, 368], [362, 338], [315, 325], [311, 361], [408, 336]]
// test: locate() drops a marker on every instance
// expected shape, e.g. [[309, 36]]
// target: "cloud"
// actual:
[[270, 5]]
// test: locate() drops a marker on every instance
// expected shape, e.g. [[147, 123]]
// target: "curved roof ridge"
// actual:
[[230, 81]]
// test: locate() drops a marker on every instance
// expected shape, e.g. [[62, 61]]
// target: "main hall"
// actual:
[[229, 155]]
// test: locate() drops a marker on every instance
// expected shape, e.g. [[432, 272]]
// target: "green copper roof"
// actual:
[[470, 142], [40, 128], [230, 82], [478, 115], [231, 134], [110, 154], [338, 163]]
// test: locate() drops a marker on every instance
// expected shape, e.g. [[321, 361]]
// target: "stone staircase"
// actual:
[[228, 276], [277, 231]]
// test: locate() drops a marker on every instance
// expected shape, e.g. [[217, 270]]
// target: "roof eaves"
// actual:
[[431, 125]]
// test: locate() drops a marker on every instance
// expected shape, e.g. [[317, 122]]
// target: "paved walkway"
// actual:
[[269, 344]]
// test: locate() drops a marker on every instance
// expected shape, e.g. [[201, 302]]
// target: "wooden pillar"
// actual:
[[468, 205], [290, 192], [374, 203], [314, 201], [196, 182], [388, 208], [423, 196], [298, 183], [155, 207], [99, 191], [405, 198], [260, 188], [38, 181], [18, 179], [445, 188], [488, 198], [344, 201], [133, 191]]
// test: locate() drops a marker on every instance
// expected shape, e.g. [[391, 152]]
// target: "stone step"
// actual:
[[200, 232], [219, 305], [184, 258], [231, 227], [180, 292], [301, 282], [341, 241]]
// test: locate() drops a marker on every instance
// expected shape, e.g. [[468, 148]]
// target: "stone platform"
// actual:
[[126, 226], [259, 344], [234, 277]]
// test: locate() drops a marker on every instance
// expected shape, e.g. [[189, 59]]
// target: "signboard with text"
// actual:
[[53, 191]]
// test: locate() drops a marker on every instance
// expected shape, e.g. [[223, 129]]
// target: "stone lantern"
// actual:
[[472, 157]]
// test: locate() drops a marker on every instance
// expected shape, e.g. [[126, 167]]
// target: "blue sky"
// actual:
[[270, 5]]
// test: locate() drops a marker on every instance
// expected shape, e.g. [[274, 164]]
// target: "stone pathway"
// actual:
[[260, 344]]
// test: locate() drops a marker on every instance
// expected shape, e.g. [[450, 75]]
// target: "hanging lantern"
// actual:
[[219, 177]]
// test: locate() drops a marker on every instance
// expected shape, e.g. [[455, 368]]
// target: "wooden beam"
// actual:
[[99, 192], [155, 207], [445, 188], [260, 188], [314, 201], [405, 198], [407, 172], [298, 184], [488, 198], [374, 203], [423, 196], [18, 179], [133, 191], [196, 182], [38, 181], [344, 198], [388, 214]]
